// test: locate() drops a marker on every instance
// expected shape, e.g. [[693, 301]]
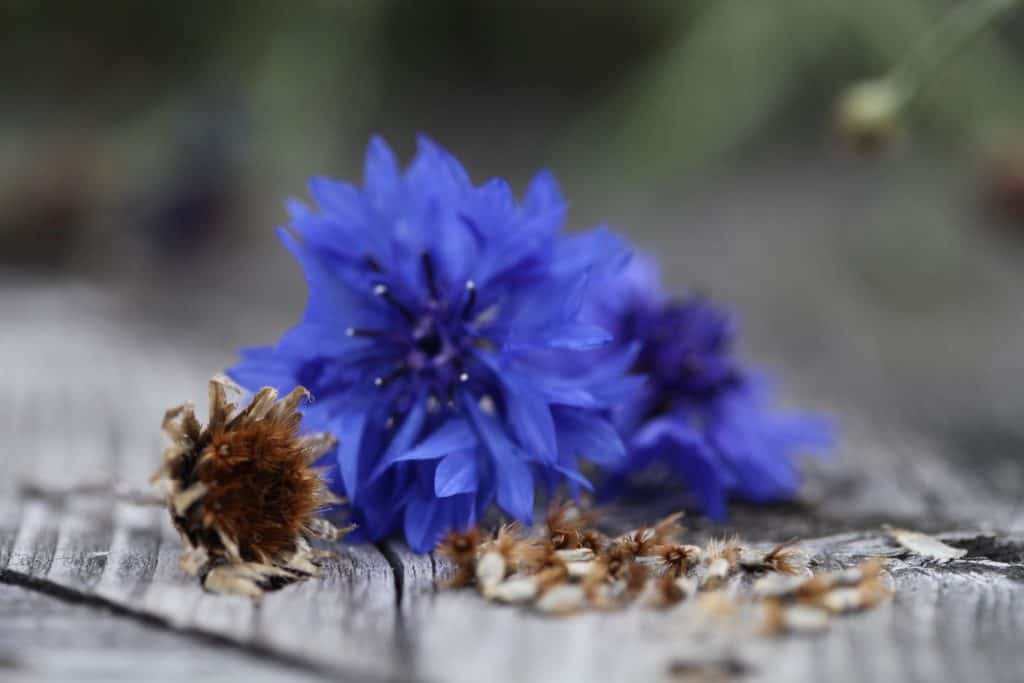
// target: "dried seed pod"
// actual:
[[491, 570], [842, 600], [677, 559], [501, 556], [579, 570], [553, 575], [242, 491], [461, 547], [580, 554], [926, 546], [779, 617], [619, 556], [562, 599], [819, 584], [516, 590], [599, 590], [688, 585], [663, 592], [566, 525], [520, 551], [635, 579], [646, 539], [725, 548], [594, 540], [715, 574], [784, 558], [778, 586]]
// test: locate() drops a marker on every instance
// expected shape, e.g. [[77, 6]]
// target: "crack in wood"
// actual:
[[72, 596], [397, 568]]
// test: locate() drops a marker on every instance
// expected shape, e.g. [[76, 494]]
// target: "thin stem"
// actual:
[[952, 34]]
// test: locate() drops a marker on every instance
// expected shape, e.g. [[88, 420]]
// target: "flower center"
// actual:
[[431, 344], [434, 342]]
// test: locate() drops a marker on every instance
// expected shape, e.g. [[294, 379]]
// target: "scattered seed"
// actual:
[[926, 546], [572, 567], [516, 590], [562, 599]]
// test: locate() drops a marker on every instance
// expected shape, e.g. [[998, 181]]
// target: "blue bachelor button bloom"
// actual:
[[701, 415], [439, 341]]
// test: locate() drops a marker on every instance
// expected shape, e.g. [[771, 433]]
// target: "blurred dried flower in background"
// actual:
[[243, 494], [867, 116]]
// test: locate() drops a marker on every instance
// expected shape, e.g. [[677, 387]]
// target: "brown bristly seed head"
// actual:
[[785, 558], [618, 557], [512, 543], [544, 557], [669, 528], [635, 576], [726, 548], [243, 488], [645, 540], [507, 540], [816, 586], [461, 547], [593, 539], [567, 525], [551, 576], [668, 591], [676, 559]]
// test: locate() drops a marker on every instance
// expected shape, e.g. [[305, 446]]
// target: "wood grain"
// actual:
[[83, 404]]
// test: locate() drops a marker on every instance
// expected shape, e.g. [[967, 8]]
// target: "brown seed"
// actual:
[[566, 524], [461, 547]]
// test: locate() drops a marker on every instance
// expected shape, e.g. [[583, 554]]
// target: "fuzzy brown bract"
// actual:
[[242, 491]]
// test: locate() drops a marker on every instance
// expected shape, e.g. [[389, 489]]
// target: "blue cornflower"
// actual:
[[439, 339], [702, 415]]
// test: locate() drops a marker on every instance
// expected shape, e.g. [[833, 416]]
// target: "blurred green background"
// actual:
[[146, 149]]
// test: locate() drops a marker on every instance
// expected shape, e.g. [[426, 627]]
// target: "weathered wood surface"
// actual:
[[85, 386]]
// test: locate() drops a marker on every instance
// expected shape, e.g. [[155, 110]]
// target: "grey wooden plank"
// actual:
[[44, 638]]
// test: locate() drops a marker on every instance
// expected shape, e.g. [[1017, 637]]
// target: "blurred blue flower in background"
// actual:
[[439, 339], [701, 414]]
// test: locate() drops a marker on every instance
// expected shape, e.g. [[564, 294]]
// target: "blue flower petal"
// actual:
[[456, 473], [423, 523], [380, 175], [590, 437], [688, 453], [348, 427], [530, 417], [514, 479], [452, 436], [262, 366]]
